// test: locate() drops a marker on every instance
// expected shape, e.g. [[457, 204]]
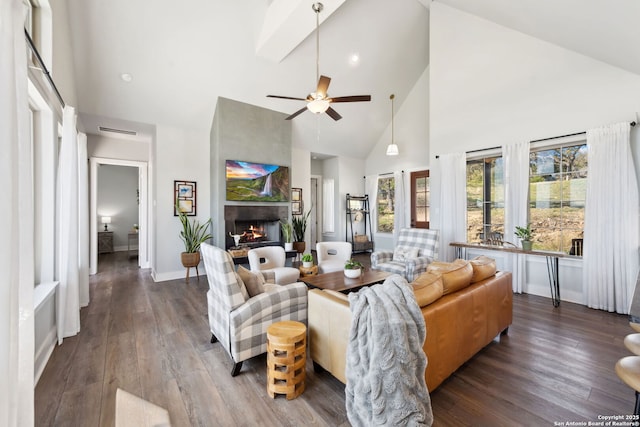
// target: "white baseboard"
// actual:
[[44, 353]]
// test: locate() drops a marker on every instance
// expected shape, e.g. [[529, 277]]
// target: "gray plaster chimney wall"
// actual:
[[244, 132]]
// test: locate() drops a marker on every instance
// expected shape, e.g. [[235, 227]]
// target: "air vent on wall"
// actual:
[[122, 131]]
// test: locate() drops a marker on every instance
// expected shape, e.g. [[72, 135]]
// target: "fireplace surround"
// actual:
[[257, 224]]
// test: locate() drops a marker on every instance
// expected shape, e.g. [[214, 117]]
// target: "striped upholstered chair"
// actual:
[[416, 249], [238, 321]]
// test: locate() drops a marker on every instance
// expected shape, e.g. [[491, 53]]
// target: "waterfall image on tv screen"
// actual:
[[248, 181]]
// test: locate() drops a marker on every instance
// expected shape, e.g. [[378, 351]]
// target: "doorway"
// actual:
[[420, 199], [142, 220]]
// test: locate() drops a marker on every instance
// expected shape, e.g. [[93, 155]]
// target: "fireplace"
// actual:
[[254, 226]]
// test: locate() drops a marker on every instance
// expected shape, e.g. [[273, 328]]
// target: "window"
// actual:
[[485, 199], [557, 195], [420, 199], [385, 204]]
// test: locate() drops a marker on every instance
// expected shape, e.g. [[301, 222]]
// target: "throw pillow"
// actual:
[[253, 281], [427, 288], [483, 268], [402, 253], [243, 288]]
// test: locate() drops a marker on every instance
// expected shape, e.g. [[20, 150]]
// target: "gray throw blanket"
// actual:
[[385, 361]]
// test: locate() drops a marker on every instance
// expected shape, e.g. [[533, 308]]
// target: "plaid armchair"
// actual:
[[238, 322], [416, 249]]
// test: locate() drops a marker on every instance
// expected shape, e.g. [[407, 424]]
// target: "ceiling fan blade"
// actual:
[[323, 85], [285, 97], [333, 114], [354, 98], [297, 113]]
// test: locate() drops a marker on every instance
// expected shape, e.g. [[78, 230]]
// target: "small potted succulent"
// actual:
[[525, 234], [307, 260], [353, 269]]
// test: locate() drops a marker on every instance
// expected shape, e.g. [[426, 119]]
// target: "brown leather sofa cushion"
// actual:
[[483, 268], [428, 288], [456, 275]]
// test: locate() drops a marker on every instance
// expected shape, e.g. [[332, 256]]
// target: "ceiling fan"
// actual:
[[319, 101]]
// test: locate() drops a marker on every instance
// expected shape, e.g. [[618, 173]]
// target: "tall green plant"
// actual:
[[287, 231], [193, 234], [300, 226]]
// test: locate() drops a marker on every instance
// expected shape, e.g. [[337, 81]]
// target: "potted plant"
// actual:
[[353, 268], [193, 234], [307, 260], [299, 223], [287, 234], [525, 234]]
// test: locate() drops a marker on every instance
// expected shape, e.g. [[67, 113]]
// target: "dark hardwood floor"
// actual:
[[152, 339]]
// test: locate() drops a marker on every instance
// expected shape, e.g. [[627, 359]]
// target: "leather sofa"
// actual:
[[466, 304]]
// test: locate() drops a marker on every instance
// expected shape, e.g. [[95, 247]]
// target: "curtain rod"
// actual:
[[632, 124], [43, 67]]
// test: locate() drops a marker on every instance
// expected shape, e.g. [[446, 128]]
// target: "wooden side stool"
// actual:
[[286, 358], [628, 369], [308, 271]]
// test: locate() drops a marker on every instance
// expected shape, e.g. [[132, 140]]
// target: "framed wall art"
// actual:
[[296, 208], [185, 197], [296, 194], [247, 181]]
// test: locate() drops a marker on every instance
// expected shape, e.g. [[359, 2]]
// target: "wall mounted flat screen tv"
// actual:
[[261, 182]]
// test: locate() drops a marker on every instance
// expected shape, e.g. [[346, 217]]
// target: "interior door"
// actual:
[[420, 199]]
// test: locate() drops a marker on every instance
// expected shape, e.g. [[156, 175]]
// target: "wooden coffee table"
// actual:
[[337, 281]]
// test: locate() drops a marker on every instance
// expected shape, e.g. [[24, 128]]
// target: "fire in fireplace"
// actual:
[[251, 233], [253, 226]]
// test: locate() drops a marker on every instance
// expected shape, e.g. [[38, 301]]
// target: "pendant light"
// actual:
[[392, 149]]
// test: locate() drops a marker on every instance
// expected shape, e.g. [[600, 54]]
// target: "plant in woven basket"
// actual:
[[193, 234]]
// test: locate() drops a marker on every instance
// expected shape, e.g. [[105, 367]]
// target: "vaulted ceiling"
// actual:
[[183, 55]]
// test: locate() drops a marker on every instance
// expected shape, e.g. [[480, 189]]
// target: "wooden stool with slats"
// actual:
[[286, 358]]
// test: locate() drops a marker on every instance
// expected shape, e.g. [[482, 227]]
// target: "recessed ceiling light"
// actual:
[[126, 77], [354, 59]]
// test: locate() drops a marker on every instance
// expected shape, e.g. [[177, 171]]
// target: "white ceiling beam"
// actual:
[[287, 23]]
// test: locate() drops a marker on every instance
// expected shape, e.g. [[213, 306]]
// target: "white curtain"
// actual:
[[371, 188], [516, 179], [68, 309], [83, 220], [610, 251], [399, 213], [16, 225], [453, 202]]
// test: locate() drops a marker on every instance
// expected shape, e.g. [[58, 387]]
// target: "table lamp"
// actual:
[[106, 220]]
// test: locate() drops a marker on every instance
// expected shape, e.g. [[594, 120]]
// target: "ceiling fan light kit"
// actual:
[[318, 106], [319, 101], [392, 149]]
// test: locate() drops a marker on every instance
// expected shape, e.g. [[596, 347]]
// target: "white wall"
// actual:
[[117, 198], [183, 155], [491, 85], [301, 178], [62, 69], [112, 148], [411, 133]]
